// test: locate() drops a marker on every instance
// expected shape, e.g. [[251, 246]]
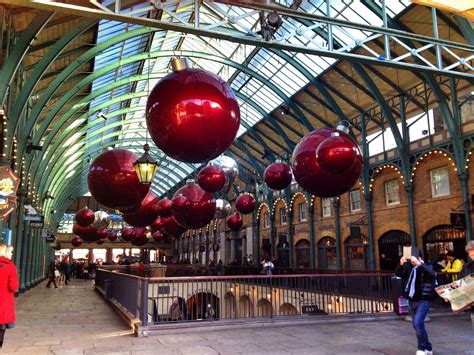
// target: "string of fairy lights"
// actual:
[[431, 153]]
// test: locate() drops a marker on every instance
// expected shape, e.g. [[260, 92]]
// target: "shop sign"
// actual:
[[458, 220], [8, 186], [36, 221]]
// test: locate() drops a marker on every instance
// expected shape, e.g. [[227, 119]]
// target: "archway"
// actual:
[[264, 308], [302, 253], [356, 252], [327, 253], [287, 309], [229, 306], [245, 307], [203, 305], [391, 248], [442, 238]]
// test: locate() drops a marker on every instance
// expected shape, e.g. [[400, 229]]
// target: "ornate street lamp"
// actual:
[[146, 167]]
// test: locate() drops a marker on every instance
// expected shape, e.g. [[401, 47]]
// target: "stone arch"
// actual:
[[203, 305], [287, 309], [229, 310], [264, 308], [298, 198], [245, 307]]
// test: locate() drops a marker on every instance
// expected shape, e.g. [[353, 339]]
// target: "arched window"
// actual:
[[327, 253], [356, 252], [391, 248]]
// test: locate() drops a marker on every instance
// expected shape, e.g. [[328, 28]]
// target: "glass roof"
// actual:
[[257, 75]]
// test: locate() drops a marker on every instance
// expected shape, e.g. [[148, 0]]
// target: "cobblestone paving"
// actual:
[[75, 320]]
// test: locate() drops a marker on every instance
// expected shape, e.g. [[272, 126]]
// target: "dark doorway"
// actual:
[[443, 238], [203, 306], [302, 253], [327, 254], [283, 251], [356, 253], [391, 248]]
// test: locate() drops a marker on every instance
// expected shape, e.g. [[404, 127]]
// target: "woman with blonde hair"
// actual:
[[8, 285]]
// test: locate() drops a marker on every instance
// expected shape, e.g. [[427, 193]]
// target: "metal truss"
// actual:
[[241, 22]]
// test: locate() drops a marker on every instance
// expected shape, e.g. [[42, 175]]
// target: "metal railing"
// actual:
[[212, 298]]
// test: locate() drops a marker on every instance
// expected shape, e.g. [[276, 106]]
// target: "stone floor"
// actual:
[[75, 320]]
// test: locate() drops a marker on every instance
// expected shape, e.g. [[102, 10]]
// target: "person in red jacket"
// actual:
[[8, 285]]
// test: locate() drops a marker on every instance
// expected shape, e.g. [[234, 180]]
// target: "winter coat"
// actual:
[[426, 282], [467, 269], [8, 285], [175, 312]]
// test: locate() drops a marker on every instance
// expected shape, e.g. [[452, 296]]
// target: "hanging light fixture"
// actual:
[[146, 167]]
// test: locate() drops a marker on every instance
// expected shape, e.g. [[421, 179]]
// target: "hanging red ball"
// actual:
[[113, 181], [85, 217], [146, 214], [192, 115], [338, 153], [202, 210], [211, 178], [157, 225], [78, 230], [102, 233], [158, 236], [112, 236], [127, 234], [309, 173], [90, 234], [235, 222], [278, 176], [164, 208], [76, 242], [171, 227], [180, 205], [100, 241], [245, 203], [139, 236]]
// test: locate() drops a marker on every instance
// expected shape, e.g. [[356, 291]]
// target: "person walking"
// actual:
[[268, 267], [420, 280], [8, 285], [468, 269], [175, 313], [453, 266], [52, 274]]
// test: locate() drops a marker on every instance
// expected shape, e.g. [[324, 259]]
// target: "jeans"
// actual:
[[418, 311]]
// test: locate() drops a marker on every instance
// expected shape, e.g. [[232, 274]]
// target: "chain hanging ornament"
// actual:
[[127, 234], [235, 222], [101, 220], [171, 227], [158, 236], [102, 233], [164, 207], [112, 236], [230, 168], [192, 115], [211, 178], [139, 238], [245, 203], [223, 208], [278, 176], [85, 217], [76, 242]]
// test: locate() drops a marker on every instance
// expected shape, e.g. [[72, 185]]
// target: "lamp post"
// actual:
[[146, 167]]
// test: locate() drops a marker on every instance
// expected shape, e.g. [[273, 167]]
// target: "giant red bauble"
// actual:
[[235, 222], [338, 153], [139, 236], [157, 225], [171, 227], [113, 181], [85, 217], [202, 210], [127, 234], [277, 176], [245, 203], [78, 230], [158, 236], [76, 242], [146, 214], [101, 241], [211, 178], [192, 115], [112, 236], [309, 173], [90, 234], [102, 233], [181, 204], [164, 207]]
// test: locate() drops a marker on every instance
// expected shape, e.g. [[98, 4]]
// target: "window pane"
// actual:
[[354, 197], [440, 182], [392, 192], [326, 203]]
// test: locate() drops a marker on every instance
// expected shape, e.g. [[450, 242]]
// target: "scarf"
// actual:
[[411, 283]]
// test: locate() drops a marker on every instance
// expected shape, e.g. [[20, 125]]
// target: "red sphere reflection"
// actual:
[[76, 242], [102, 233], [78, 230], [113, 181], [100, 241], [245, 203], [127, 234], [112, 236], [202, 206], [211, 178], [146, 214], [139, 236], [90, 234], [85, 217], [338, 153], [171, 227], [157, 225], [278, 176], [158, 236], [180, 205], [311, 176], [235, 222], [192, 115], [163, 208]]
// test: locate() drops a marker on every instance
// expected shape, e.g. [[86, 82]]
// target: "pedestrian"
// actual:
[[468, 269], [8, 285], [453, 266], [420, 280], [268, 267], [175, 311], [52, 274]]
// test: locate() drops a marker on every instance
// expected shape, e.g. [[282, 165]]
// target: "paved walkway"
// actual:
[[75, 320]]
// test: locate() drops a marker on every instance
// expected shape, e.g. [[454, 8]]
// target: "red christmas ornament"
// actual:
[[192, 115], [139, 236], [202, 210], [164, 208], [245, 203], [102, 233], [90, 234], [171, 227], [85, 217], [311, 176], [100, 241], [113, 181], [211, 178], [235, 222], [112, 236], [127, 234], [158, 236], [338, 153], [157, 225], [78, 230], [146, 214], [76, 242], [277, 176], [181, 205]]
